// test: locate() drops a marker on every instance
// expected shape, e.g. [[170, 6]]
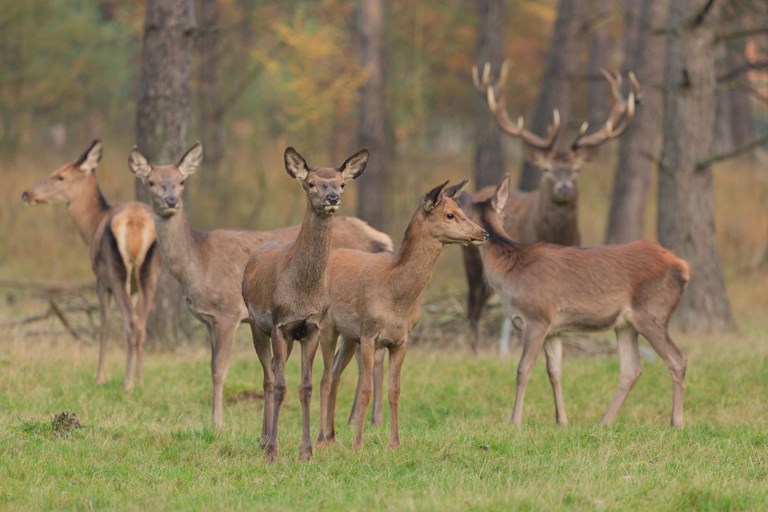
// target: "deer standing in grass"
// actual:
[[209, 265], [376, 301], [121, 241], [549, 213], [549, 289], [285, 288]]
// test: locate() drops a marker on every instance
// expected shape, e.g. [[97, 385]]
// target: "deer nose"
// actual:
[[486, 235], [333, 198], [171, 202], [25, 196]]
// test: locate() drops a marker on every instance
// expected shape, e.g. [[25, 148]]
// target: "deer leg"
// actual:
[[140, 326], [221, 334], [103, 294], [279, 356], [478, 293], [378, 387], [264, 352], [328, 337], [659, 339], [629, 364], [356, 401], [396, 358], [123, 302], [340, 362], [553, 349], [533, 339], [367, 354], [308, 351]]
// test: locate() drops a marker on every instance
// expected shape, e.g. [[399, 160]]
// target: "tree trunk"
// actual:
[[372, 131], [639, 148], [209, 100], [686, 222], [600, 46], [557, 80], [162, 118], [489, 155]]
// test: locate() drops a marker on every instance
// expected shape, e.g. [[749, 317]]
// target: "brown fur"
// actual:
[[548, 289], [209, 265], [105, 229], [376, 301]]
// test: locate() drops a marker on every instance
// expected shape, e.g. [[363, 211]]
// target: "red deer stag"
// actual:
[[549, 289], [209, 265], [285, 288], [121, 240], [376, 301], [549, 213]]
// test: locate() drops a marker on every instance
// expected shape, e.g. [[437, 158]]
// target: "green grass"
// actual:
[[153, 448]]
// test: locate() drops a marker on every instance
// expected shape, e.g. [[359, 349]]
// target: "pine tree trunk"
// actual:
[[162, 118], [209, 100], [600, 46], [686, 221], [639, 148], [489, 154], [372, 131]]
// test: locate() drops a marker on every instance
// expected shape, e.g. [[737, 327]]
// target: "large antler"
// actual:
[[498, 108], [618, 120]]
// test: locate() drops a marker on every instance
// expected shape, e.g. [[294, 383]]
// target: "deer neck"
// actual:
[[177, 244], [88, 209], [414, 263], [499, 247], [309, 257]]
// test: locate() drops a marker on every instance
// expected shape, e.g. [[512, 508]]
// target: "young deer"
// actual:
[[376, 301], [549, 213], [121, 241], [549, 289], [209, 265], [285, 288]]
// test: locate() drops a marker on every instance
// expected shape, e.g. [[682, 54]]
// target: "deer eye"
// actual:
[[151, 183], [182, 182], [59, 178], [311, 185], [343, 185], [451, 216]]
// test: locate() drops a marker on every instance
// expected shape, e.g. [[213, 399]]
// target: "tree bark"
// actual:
[[645, 54], [162, 119], [209, 100], [557, 80], [686, 221], [600, 45], [489, 155], [372, 111]]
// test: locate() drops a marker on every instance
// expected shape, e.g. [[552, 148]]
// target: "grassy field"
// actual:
[[153, 449]]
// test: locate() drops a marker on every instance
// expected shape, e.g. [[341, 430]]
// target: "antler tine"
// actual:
[[620, 117]]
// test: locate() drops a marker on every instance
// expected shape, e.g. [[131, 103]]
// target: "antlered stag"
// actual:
[[121, 241], [549, 289], [376, 301], [209, 265], [285, 288], [549, 213]]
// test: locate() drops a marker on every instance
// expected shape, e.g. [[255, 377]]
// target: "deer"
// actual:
[[550, 212], [210, 265], [375, 301], [549, 289], [285, 289], [121, 242]]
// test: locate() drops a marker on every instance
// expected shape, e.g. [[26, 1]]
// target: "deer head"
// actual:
[[445, 221], [559, 168], [324, 186], [65, 184], [490, 211], [166, 182]]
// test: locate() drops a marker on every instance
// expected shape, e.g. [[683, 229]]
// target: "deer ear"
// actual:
[[191, 160], [90, 158], [295, 165], [139, 164], [455, 191], [499, 197], [354, 166], [433, 197]]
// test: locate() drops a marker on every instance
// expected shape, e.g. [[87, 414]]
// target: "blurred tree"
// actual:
[[645, 54], [489, 156], [162, 119], [563, 59], [371, 31], [686, 221], [211, 113], [601, 44]]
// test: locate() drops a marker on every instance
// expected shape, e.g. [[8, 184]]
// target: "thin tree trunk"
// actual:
[[162, 118], [372, 131], [600, 46], [686, 220], [639, 147], [557, 80], [489, 155], [211, 112]]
